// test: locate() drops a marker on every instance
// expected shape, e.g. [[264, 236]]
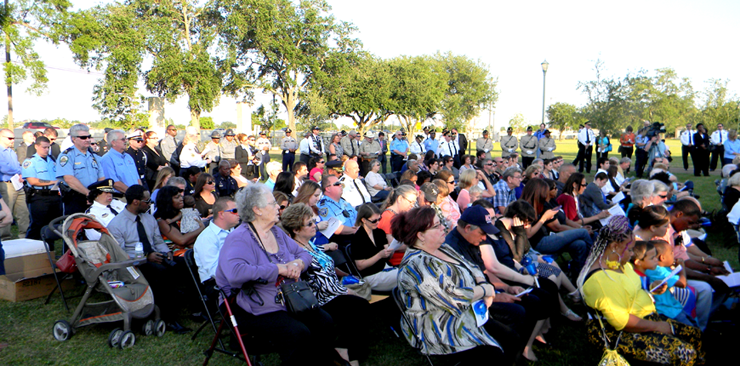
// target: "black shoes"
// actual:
[[177, 328]]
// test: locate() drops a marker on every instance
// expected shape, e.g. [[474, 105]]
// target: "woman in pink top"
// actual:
[[316, 169], [469, 178], [450, 209]]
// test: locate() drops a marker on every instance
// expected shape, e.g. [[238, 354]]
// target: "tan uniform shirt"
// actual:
[[484, 144], [349, 146], [508, 145], [229, 148], [528, 145], [547, 146], [372, 148]]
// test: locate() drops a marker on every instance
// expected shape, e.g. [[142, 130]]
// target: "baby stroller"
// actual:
[[106, 268]]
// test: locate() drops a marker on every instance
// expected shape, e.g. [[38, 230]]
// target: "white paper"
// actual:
[[728, 268], [732, 280], [334, 224], [673, 273], [16, 180], [615, 210], [524, 292], [481, 312], [395, 244], [618, 197]]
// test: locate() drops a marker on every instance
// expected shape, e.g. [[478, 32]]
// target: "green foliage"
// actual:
[[417, 89], [268, 119], [563, 116], [227, 125], [518, 123], [207, 123], [470, 88]]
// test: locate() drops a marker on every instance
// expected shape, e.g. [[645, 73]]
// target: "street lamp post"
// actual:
[[545, 65]]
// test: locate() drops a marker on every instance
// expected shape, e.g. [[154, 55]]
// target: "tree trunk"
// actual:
[[7, 77], [195, 119]]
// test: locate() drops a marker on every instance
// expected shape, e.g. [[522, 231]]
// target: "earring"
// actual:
[[613, 265]]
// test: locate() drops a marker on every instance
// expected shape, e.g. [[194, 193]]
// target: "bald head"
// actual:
[[351, 169]]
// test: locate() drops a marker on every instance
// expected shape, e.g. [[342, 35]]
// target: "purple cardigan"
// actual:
[[242, 260]]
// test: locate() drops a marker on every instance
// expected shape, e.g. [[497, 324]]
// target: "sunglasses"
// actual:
[[83, 137], [321, 162], [137, 140], [282, 207], [373, 221], [663, 197], [234, 211], [336, 184], [209, 182], [453, 182], [310, 223], [490, 164], [94, 143]]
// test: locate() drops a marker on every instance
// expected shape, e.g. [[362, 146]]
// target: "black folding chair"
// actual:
[[205, 300], [392, 179], [396, 293], [353, 270]]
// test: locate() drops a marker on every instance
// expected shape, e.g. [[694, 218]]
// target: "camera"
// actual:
[[166, 261], [655, 129]]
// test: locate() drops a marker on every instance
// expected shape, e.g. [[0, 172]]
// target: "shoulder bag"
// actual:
[[296, 296]]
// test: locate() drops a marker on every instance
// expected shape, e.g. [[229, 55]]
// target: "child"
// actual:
[[190, 215], [475, 193], [648, 260]]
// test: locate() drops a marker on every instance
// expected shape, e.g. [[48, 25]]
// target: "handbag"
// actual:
[[360, 287], [67, 263], [296, 296]]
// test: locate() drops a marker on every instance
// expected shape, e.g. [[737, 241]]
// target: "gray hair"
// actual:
[[176, 181], [625, 160], [659, 187], [273, 167], [249, 197], [116, 135], [734, 181], [641, 189], [509, 172], [566, 166], [374, 163], [538, 161], [74, 130]]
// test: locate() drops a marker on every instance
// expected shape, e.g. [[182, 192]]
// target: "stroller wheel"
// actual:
[[128, 339], [161, 328], [115, 337], [62, 331], [148, 328]]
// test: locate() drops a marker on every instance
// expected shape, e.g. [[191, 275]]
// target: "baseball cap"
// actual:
[[479, 217], [430, 190]]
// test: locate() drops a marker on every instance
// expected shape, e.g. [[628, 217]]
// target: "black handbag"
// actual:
[[296, 296]]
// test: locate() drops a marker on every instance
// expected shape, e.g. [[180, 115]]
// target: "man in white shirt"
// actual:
[[586, 137], [447, 146], [209, 242], [417, 147], [305, 148], [104, 207], [718, 139], [687, 145], [355, 192]]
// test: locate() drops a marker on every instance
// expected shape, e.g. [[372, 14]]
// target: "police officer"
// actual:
[[529, 145], [509, 143], [42, 194], [78, 167], [103, 145], [485, 144], [263, 145], [104, 207], [547, 146], [226, 186], [369, 151], [215, 150], [118, 165], [288, 145], [333, 205], [229, 145], [135, 149]]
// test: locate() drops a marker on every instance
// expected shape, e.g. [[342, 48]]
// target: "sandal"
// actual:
[[575, 296], [572, 316]]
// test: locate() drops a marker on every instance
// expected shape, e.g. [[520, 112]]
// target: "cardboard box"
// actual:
[[27, 271]]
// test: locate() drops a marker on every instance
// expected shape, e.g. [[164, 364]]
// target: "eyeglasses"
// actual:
[[282, 207], [663, 196], [94, 143], [147, 201], [83, 137], [373, 221], [234, 211], [517, 177], [337, 183], [209, 182], [409, 200], [9, 138], [452, 182], [435, 226], [490, 164], [137, 140]]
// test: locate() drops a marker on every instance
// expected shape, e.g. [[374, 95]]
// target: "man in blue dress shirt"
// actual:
[[333, 205], [118, 165], [399, 149], [78, 168], [14, 198], [43, 198]]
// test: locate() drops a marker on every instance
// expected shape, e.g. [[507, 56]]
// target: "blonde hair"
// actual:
[[467, 177], [190, 138]]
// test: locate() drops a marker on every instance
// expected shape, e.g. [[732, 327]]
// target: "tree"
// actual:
[[207, 123], [359, 90], [470, 88], [288, 51], [227, 125], [23, 23], [268, 119], [607, 105], [178, 37], [563, 116], [518, 123], [717, 106], [417, 90]]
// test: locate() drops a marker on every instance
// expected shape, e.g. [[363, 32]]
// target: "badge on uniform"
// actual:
[[323, 211], [105, 215], [63, 160], [26, 163]]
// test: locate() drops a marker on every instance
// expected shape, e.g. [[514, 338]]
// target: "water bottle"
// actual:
[[139, 250]]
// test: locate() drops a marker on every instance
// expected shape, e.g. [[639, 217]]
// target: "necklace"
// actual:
[[305, 245]]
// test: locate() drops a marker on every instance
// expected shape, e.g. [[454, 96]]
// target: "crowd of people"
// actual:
[[472, 243]]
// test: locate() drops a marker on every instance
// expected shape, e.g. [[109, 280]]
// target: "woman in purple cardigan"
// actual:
[[259, 251]]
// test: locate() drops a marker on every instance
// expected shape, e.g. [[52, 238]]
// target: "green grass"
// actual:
[[26, 326]]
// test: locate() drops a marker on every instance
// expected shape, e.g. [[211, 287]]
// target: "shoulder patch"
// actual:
[[63, 160], [323, 211], [26, 163]]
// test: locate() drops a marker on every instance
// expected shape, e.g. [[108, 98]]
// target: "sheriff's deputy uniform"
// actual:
[[101, 212], [139, 157], [509, 143], [342, 210], [43, 201], [288, 145], [83, 166]]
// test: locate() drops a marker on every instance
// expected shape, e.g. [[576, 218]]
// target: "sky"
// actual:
[[512, 37]]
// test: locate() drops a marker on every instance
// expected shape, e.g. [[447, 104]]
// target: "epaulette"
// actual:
[[68, 149]]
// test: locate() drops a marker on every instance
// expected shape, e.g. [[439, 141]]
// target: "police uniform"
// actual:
[[342, 210], [43, 202], [289, 146], [120, 167], [354, 192], [263, 148], [215, 150], [140, 162], [547, 146], [486, 145], [104, 214], [372, 149], [509, 145], [225, 186], [228, 147], [528, 145], [84, 167]]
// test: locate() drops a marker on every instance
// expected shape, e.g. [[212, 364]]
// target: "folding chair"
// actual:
[[396, 293], [193, 269], [353, 270], [392, 179]]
